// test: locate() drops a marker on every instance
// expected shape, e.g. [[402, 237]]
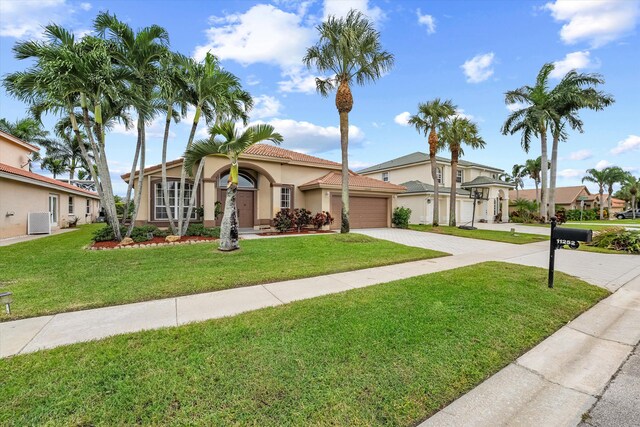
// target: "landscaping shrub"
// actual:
[[105, 234], [321, 219], [561, 216], [144, 233], [401, 217], [201, 230], [138, 234], [617, 239], [525, 211], [284, 220], [301, 218]]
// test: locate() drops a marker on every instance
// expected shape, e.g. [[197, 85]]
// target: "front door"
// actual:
[[245, 206], [53, 209]]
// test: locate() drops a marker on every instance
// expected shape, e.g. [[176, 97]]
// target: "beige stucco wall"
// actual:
[[17, 199], [14, 155]]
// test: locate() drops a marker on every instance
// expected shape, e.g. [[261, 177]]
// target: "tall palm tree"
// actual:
[[597, 177], [55, 165], [140, 54], [517, 175], [67, 149], [575, 91], [232, 145], [534, 119], [430, 118], [349, 48], [456, 132], [30, 130], [613, 176], [532, 168], [632, 186]]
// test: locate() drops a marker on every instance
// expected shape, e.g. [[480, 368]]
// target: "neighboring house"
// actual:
[[575, 197], [413, 171], [271, 178], [23, 192]]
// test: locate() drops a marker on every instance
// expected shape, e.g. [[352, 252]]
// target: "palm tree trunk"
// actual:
[[609, 202], [193, 198], [452, 194], [183, 174], [229, 225], [132, 175], [545, 175], [165, 189], [85, 154], [554, 173], [344, 146], [138, 193], [433, 144], [537, 182], [633, 206]]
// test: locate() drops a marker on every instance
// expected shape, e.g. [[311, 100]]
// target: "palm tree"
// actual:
[[140, 54], [30, 130], [67, 150], [455, 132], [349, 48], [56, 166], [532, 168], [598, 177], [534, 119], [430, 118], [574, 92], [233, 144], [613, 175], [517, 173], [632, 186]]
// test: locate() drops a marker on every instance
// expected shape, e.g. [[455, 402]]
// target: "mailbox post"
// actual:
[[560, 237]]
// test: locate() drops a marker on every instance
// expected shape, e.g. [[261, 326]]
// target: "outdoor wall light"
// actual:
[[428, 201], [6, 298], [11, 213]]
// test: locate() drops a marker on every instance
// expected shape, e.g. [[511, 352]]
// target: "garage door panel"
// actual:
[[364, 212]]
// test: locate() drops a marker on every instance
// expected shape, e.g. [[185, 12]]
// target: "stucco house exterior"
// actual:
[[573, 197], [23, 192], [270, 179], [413, 171]]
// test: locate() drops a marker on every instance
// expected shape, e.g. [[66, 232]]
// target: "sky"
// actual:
[[471, 52]]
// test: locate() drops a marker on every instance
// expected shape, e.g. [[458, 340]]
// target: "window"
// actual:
[[439, 175], [70, 205], [459, 176], [173, 187], [285, 198], [244, 180], [385, 176], [88, 207], [494, 175]]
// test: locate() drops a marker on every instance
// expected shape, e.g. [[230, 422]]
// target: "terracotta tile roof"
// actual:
[[356, 182], [19, 141], [262, 150], [282, 153], [20, 172], [564, 195]]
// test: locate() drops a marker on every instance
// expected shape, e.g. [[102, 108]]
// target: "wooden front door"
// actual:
[[245, 205]]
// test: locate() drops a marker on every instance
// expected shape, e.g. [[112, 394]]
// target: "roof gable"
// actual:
[[419, 157], [44, 179]]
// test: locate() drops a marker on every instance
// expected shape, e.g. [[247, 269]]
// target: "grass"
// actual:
[[493, 235], [613, 221], [391, 354], [585, 226], [56, 274]]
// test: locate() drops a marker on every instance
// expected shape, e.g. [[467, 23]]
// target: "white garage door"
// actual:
[[466, 211]]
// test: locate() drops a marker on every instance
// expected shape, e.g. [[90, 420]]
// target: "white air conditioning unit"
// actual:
[[39, 223]]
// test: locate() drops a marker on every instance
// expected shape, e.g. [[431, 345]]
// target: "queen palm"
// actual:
[[534, 119], [613, 176], [532, 168], [597, 177], [232, 144], [349, 48], [456, 132], [28, 129], [517, 174], [430, 118], [631, 185]]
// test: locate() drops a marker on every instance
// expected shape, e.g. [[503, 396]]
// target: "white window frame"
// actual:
[[88, 207], [439, 175], [459, 176], [71, 206], [176, 192], [54, 203], [285, 197], [385, 176]]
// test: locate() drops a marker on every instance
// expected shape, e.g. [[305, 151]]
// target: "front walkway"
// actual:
[[13, 240]]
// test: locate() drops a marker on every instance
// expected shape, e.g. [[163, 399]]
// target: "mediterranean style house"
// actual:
[[23, 192], [575, 197], [413, 171], [270, 179]]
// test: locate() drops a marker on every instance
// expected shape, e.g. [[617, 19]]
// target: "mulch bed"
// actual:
[[293, 232], [156, 241]]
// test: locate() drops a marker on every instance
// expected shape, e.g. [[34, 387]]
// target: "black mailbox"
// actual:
[[571, 236]]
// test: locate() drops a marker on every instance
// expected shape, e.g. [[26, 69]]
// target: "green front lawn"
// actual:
[[56, 274], [494, 235], [391, 354]]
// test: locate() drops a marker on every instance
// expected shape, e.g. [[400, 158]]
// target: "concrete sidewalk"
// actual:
[[19, 239]]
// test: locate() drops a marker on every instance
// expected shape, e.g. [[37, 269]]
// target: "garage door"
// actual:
[[364, 212], [466, 211]]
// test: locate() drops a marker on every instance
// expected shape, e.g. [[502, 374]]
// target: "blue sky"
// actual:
[[470, 52]]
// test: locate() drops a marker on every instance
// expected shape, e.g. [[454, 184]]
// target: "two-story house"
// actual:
[[413, 171], [23, 192]]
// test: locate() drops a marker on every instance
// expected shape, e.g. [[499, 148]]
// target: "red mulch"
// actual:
[[291, 232], [112, 244]]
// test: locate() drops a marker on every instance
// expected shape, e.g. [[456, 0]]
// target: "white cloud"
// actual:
[[581, 155], [570, 173], [25, 19], [310, 138], [402, 119], [630, 168], [428, 21], [573, 61], [357, 164], [516, 106], [85, 6], [298, 80], [478, 68], [340, 8], [597, 22], [265, 106], [155, 129], [603, 164], [631, 143], [461, 114], [252, 80]]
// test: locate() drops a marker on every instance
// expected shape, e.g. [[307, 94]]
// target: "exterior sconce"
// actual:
[[10, 213], [428, 201]]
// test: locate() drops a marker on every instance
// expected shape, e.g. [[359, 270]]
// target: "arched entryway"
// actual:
[[246, 197]]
